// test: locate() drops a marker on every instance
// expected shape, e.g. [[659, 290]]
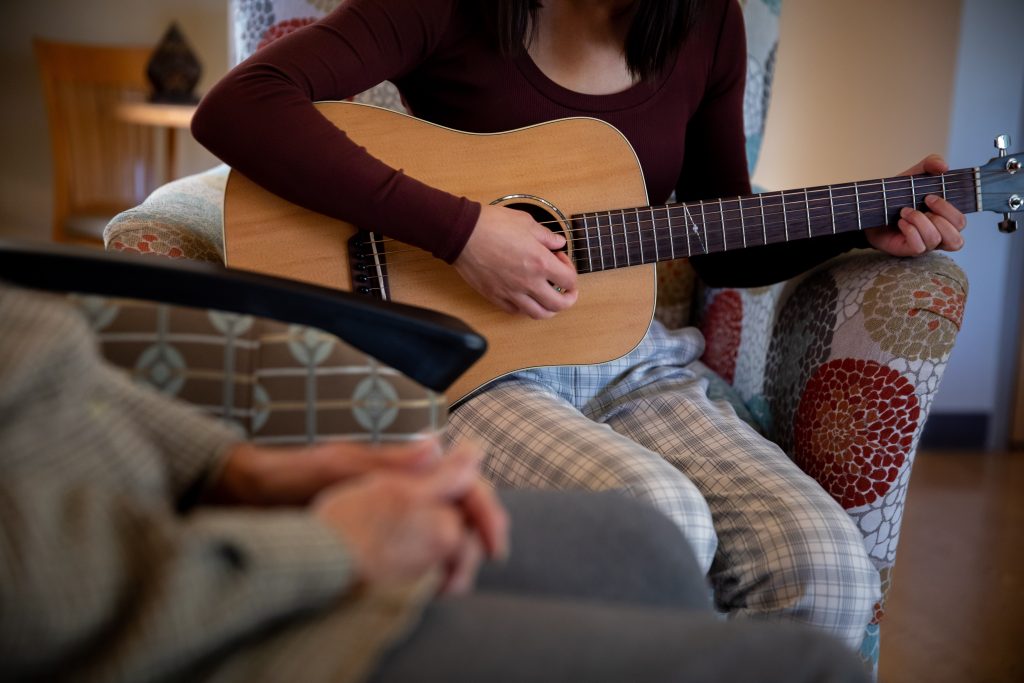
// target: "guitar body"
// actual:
[[567, 167]]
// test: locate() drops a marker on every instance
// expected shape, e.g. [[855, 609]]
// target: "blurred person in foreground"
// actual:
[[143, 541]]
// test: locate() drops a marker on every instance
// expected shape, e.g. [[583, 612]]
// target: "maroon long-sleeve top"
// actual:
[[686, 125]]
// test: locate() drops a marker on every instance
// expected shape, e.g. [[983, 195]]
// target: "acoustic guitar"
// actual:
[[567, 174]]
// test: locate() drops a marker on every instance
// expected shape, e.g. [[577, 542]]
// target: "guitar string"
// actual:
[[863, 196], [922, 185], [650, 234], [651, 239], [645, 241], [650, 226], [802, 205]]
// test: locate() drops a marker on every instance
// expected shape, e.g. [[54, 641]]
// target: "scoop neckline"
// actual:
[[632, 96]]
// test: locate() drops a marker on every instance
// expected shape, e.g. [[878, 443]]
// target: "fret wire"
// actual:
[[625, 242], [856, 195], [704, 225], [638, 235], [721, 209], [832, 209], [885, 203], [743, 222], [764, 223], [590, 244], [611, 240], [590, 253], [590, 241], [785, 215], [671, 236], [942, 177], [913, 193], [686, 230], [807, 207], [697, 229]]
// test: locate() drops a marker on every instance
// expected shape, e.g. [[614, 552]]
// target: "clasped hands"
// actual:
[[526, 275], [401, 510]]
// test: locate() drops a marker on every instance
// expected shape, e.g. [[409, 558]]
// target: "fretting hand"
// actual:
[[918, 231], [509, 259]]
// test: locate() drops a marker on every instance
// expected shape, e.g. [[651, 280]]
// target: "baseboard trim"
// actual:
[[956, 431]]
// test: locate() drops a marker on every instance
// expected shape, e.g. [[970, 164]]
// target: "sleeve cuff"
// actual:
[[465, 221], [293, 560]]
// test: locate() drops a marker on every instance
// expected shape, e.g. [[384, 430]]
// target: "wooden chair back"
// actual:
[[101, 165]]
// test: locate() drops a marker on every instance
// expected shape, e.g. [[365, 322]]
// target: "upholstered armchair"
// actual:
[[839, 366]]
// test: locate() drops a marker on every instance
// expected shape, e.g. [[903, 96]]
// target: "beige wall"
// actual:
[[25, 182], [863, 89]]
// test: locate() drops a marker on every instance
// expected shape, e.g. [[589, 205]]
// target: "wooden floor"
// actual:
[[956, 611]]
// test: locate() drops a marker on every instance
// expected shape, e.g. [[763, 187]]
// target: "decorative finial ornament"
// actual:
[[173, 70]]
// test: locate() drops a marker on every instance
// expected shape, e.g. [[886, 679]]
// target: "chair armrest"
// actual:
[[841, 365], [182, 219], [430, 347]]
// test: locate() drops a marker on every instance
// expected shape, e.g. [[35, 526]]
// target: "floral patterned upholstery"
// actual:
[[182, 219], [838, 366], [255, 23]]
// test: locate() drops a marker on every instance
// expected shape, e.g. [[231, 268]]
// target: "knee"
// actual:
[[832, 583]]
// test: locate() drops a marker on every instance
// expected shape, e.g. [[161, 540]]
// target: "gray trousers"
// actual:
[[601, 588]]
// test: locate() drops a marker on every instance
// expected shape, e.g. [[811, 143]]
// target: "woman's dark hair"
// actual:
[[657, 29]]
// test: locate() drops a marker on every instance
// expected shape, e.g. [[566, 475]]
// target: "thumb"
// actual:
[[551, 240], [413, 455], [934, 163], [454, 476]]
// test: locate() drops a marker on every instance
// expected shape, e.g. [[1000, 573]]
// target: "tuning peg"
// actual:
[[1002, 143], [1007, 224]]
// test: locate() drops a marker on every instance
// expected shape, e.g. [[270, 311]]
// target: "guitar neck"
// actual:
[[628, 237]]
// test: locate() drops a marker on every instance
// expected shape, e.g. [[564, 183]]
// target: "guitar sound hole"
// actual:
[[543, 216]]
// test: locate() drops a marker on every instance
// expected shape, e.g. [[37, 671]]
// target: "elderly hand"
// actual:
[[261, 476], [920, 232], [398, 525]]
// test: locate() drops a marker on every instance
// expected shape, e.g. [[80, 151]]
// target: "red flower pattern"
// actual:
[[944, 301], [283, 28], [171, 244], [149, 244], [722, 328], [854, 428]]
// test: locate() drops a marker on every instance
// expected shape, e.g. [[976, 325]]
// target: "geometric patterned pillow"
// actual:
[[280, 383]]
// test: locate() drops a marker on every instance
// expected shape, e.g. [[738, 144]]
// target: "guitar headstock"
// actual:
[[1001, 184]]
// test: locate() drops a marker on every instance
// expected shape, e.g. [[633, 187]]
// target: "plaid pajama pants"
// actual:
[[774, 543]]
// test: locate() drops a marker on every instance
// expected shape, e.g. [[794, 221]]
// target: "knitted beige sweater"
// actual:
[[104, 577]]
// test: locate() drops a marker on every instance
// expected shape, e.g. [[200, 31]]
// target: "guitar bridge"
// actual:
[[367, 261]]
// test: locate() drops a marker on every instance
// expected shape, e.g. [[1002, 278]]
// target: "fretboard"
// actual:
[[629, 237]]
